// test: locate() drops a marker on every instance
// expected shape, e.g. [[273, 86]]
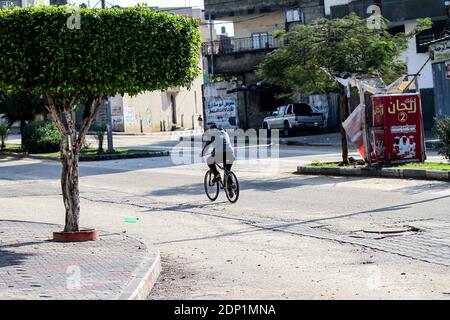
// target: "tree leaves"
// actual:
[[314, 53], [115, 51]]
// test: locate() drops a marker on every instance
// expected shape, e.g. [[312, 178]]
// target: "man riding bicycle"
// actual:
[[222, 152]]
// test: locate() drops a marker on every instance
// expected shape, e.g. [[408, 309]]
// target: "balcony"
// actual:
[[237, 45], [239, 55]]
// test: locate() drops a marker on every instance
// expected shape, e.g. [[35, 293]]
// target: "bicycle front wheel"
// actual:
[[211, 189], [232, 187]]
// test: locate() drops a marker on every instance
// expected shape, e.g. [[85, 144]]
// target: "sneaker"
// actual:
[[216, 179]]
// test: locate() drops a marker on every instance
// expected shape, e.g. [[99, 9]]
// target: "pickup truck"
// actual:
[[293, 117]]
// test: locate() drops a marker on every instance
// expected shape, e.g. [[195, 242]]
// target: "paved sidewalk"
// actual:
[[334, 139], [34, 267]]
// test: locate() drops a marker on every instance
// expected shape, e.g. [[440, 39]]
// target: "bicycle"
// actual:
[[228, 177]]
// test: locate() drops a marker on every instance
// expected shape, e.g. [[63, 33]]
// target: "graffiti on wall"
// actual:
[[148, 116], [129, 117], [222, 112], [319, 103]]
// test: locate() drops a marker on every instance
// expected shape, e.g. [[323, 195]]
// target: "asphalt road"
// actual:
[[288, 237]]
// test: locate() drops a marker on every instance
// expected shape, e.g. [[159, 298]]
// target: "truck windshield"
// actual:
[[281, 110], [302, 109]]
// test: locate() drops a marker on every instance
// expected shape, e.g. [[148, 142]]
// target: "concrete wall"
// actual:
[[238, 63], [153, 111], [243, 7], [221, 107], [329, 3], [256, 23], [416, 60]]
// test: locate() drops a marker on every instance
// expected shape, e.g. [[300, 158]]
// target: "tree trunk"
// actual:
[[342, 111], [70, 147], [69, 186]]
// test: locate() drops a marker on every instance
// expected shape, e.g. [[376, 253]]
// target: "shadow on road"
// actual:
[[279, 227], [262, 184], [11, 258]]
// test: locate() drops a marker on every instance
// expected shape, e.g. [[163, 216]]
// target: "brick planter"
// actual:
[[81, 236]]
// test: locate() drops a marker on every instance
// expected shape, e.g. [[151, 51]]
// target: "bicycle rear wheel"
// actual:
[[211, 189], [231, 178]]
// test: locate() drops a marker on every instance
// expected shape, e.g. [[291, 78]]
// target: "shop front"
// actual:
[[440, 58]]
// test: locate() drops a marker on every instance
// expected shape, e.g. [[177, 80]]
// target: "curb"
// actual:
[[145, 277], [429, 144], [377, 173], [157, 134], [307, 144], [152, 154]]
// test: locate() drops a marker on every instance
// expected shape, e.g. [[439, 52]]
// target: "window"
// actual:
[[431, 34], [289, 110], [294, 15], [281, 110], [260, 40], [302, 109], [396, 30]]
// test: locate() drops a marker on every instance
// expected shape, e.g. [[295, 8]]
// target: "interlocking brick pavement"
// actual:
[[429, 244], [34, 267]]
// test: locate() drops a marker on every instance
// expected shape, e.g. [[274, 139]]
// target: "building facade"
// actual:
[[440, 59], [160, 111], [28, 3], [237, 58], [16, 3], [157, 111], [402, 16]]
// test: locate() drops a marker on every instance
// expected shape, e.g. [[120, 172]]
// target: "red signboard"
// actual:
[[398, 128]]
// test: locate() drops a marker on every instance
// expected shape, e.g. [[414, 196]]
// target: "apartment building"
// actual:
[[243, 100], [16, 3], [402, 15], [28, 3]]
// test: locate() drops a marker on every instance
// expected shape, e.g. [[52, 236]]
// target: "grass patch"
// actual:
[[12, 148], [16, 148], [93, 152], [440, 166], [318, 163]]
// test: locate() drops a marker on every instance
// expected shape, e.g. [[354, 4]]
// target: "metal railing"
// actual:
[[234, 45]]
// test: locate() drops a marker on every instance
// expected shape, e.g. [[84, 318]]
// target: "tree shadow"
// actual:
[[11, 258], [281, 226], [433, 186], [262, 184], [393, 208]]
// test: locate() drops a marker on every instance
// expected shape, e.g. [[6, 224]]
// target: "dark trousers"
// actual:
[[213, 168]]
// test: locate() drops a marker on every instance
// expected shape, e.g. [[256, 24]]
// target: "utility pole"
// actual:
[[108, 105], [212, 44]]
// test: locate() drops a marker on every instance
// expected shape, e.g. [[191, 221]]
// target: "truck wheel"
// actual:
[[287, 129], [266, 127]]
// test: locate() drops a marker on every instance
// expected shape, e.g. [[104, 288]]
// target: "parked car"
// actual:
[[293, 117]]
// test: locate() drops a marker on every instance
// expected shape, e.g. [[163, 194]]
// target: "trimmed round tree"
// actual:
[[79, 57]]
